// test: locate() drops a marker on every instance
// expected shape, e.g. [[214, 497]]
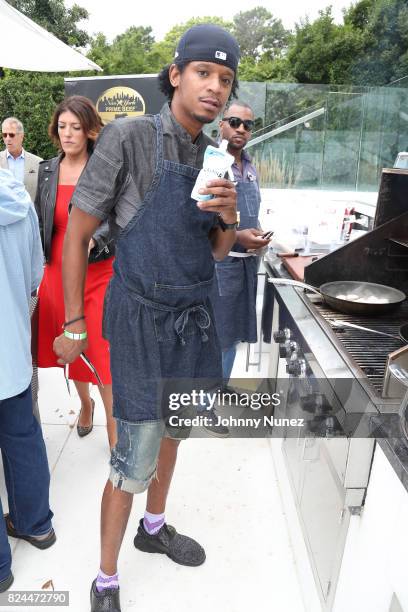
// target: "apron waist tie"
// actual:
[[201, 316]]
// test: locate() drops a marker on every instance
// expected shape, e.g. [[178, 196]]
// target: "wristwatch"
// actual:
[[227, 226]]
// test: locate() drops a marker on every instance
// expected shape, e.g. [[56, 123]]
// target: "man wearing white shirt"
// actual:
[[23, 165]]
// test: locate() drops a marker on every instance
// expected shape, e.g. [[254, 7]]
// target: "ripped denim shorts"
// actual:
[[134, 458]]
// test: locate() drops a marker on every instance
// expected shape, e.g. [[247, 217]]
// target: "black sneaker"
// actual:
[[6, 583], [211, 425], [179, 548], [105, 601]]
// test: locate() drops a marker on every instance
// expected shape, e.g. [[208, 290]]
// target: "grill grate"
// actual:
[[369, 351]]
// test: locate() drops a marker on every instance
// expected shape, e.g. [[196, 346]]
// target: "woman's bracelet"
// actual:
[[66, 323], [72, 336]]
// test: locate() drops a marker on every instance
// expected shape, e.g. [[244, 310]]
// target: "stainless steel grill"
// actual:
[[369, 351]]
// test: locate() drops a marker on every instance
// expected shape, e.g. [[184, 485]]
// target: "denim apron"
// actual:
[[158, 317], [234, 294]]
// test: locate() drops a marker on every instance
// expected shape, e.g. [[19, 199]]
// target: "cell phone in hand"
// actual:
[[267, 235]]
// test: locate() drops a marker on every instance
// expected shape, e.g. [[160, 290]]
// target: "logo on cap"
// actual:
[[221, 55]]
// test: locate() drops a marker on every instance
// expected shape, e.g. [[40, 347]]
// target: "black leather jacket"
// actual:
[[45, 207]]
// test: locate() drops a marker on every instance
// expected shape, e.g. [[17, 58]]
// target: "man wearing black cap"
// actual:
[[157, 315]]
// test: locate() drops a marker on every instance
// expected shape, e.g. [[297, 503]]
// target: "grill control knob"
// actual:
[[287, 349], [284, 350], [297, 367], [282, 335]]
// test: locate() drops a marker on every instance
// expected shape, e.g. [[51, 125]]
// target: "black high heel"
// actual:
[[84, 431]]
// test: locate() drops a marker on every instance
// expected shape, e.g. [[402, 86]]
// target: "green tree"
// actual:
[[56, 18], [135, 51], [383, 25], [322, 51], [369, 48], [358, 15], [258, 32], [265, 69], [129, 50], [99, 51], [128, 54]]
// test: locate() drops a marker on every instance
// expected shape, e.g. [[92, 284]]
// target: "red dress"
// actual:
[[51, 303]]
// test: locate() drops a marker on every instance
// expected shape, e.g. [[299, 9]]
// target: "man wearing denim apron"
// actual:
[[234, 294], [157, 318]]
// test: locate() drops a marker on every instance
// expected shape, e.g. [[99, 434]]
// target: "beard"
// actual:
[[235, 147], [202, 118]]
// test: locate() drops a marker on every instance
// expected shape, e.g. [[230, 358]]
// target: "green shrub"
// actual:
[[32, 98]]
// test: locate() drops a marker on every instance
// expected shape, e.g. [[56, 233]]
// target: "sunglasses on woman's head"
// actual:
[[11, 134], [235, 122]]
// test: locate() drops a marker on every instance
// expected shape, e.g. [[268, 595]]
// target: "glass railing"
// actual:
[[360, 131], [292, 158]]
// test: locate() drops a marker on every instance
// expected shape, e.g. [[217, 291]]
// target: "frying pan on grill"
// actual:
[[353, 297]]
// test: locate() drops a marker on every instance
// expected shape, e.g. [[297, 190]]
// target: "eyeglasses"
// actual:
[[11, 134], [235, 122]]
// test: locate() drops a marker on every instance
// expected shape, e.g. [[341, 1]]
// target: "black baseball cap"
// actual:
[[209, 43]]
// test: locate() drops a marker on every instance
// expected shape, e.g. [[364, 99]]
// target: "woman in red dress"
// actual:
[[74, 127]]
